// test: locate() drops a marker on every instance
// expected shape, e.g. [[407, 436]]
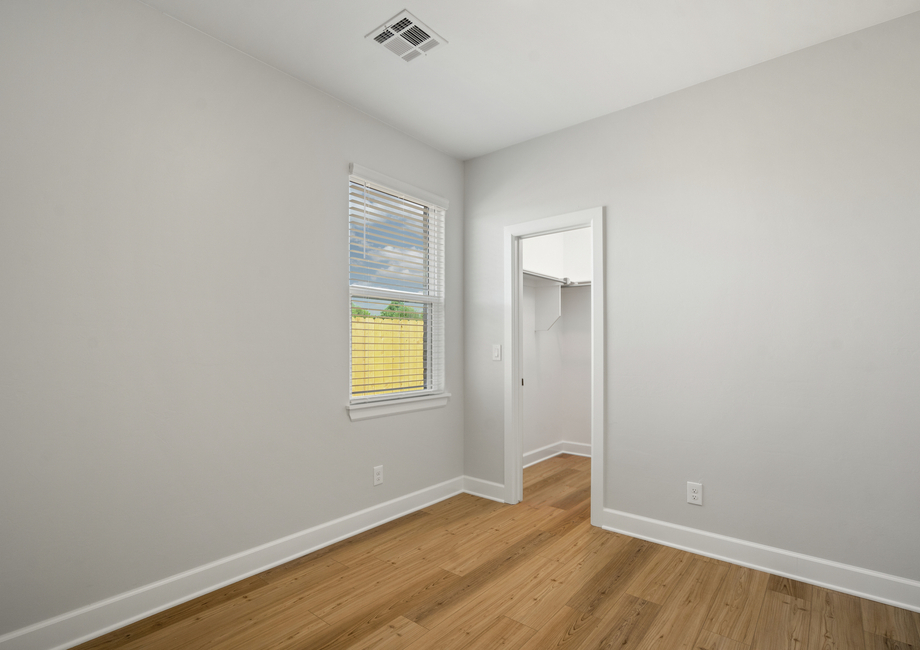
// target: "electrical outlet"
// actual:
[[695, 493], [378, 475]]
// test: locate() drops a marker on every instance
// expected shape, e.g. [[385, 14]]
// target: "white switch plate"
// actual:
[[378, 475], [695, 493], [496, 352]]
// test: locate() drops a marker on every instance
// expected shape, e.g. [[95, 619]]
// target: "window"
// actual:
[[396, 290]]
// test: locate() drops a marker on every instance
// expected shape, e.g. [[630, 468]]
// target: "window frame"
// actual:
[[434, 395]]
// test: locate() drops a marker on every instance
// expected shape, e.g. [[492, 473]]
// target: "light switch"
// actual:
[[496, 352]]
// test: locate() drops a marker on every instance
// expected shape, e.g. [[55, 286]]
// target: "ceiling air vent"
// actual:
[[406, 37]]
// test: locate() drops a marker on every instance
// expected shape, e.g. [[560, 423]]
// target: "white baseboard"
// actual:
[[88, 622], [561, 447], [865, 583], [485, 489]]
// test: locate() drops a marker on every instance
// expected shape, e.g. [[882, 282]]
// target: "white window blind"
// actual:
[[396, 287]]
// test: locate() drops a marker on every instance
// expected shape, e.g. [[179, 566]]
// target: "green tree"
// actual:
[[397, 309], [359, 311]]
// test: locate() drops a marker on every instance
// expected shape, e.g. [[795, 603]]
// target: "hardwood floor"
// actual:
[[471, 573]]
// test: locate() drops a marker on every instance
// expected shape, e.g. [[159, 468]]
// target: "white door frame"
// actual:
[[514, 350]]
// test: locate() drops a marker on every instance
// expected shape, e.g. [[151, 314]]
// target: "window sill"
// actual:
[[370, 410]]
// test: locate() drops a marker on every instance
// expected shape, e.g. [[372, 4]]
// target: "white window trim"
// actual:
[[396, 406], [393, 184], [380, 406]]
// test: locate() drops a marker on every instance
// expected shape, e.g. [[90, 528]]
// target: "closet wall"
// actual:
[[561, 255]]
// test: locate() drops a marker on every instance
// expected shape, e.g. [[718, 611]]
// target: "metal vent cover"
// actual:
[[383, 36], [397, 46], [406, 37]]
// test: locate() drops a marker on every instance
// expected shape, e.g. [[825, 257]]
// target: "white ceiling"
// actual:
[[517, 69]]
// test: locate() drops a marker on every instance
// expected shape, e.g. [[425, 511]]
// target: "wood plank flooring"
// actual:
[[471, 573]]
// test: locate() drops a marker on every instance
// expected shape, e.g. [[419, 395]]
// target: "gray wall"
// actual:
[[763, 297], [173, 282]]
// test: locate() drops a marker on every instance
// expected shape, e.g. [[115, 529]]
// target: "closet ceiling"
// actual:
[[516, 69]]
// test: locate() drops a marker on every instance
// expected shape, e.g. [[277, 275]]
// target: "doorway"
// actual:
[[556, 326], [593, 220]]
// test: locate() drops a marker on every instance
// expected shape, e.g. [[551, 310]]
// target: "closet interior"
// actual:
[[557, 345]]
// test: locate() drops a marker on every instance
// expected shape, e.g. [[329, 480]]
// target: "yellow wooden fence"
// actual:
[[387, 355]]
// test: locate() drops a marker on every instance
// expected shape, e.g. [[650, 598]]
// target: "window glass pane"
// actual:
[[396, 288], [389, 242], [390, 346]]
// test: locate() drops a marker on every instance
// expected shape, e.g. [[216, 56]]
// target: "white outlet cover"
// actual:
[[695, 493]]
